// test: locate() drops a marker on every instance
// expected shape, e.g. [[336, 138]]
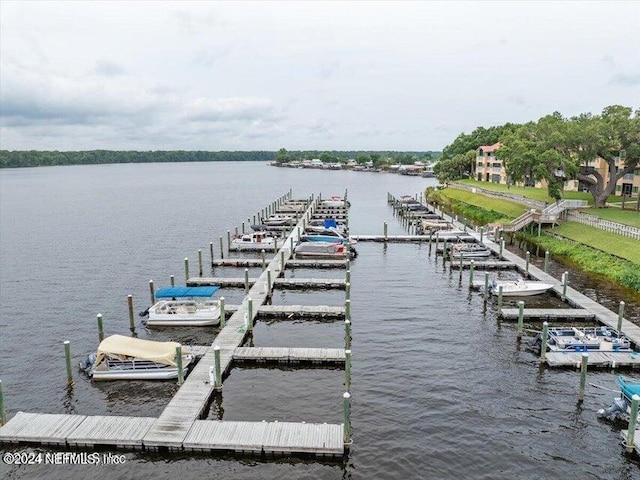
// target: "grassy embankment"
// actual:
[[593, 250]]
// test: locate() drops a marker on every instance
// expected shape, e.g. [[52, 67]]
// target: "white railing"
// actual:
[[522, 221], [559, 207], [606, 225]]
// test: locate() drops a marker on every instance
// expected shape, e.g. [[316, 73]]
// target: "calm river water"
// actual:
[[440, 388]]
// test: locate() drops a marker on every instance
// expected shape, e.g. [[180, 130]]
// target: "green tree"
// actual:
[[455, 168], [327, 157], [283, 156], [363, 158]]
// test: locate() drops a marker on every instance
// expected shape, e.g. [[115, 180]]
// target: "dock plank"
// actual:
[[596, 359], [284, 283], [285, 354], [548, 314], [111, 430], [40, 428]]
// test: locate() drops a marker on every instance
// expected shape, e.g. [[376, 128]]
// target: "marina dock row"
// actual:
[[180, 426]]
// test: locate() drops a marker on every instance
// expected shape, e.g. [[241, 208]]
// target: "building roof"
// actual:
[[490, 148]]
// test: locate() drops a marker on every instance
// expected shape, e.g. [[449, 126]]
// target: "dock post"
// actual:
[[464, 224], [186, 270], [565, 278], [282, 260], [429, 244], [539, 228], [461, 259], [486, 287], [211, 252], [444, 250], [228, 240], [347, 417], [347, 370], [262, 256], [633, 419], [347, 334], [583, 375], [3, 413], [172, 280], [471, 265], [152, 292], [620, 316], [250, 315], [347, 309], [291, 243], [348, 276], [347, 291], [243, 228], [520, 318], [269, 283], [100, 327], [543, 346], [179, 364], [222, 313], [221, 248], [200, 262], [246, 281], [385, 231], [499, 299], [236, 231], [67, 355], [526, 267], [546, 262], [501, 248], [132, 321], [218, 369], [481, 233]]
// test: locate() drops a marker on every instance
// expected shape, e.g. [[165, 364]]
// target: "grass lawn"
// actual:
[[618, 245], [504, 207], [539, 194], [628, 217]]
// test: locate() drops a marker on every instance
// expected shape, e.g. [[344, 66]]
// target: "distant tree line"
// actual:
[[36, 158], [555, 149]]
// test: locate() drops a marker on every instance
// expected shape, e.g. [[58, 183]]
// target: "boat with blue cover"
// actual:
[[185, 306], [621, 407], [573, 339]]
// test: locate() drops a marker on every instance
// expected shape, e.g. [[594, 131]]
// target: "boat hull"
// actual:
[[101, 374], [254, 246], [176, 313]]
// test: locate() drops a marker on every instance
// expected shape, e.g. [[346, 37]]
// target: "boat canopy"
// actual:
[[330, 223], [119, 345], [176, 292], [628, 388]]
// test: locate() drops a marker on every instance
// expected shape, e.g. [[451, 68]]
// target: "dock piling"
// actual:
[[347, 291], [200, 262], [546, 262], [385, 231], [461, 259], [172, 280], [132, 321], [583, 375], [282, 260], [67, 355], [211, 252], [250, 314], [218, 370], [152, 292], [222, 313], [501, 249], [269, 283], [246, 281], [486, 287], [347, 370], [186, 270], [347, 334], [100, 327], [500, 298], [526, 266], [228, 241], [633, 419], [347, 417], [262, 255], [347, 309], [179, 364], [565, 279], [471, 266], [543, 345], [3, 412], [520, 318], [221, 248], [620, 317]]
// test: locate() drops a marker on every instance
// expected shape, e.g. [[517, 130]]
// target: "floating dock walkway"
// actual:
[[180, 426]]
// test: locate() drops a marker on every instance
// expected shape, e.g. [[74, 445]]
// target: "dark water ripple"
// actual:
[[440, 388]]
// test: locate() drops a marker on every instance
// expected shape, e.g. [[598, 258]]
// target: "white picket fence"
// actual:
[[606, 225]]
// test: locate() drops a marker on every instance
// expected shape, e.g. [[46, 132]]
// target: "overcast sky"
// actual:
[[303, 75]]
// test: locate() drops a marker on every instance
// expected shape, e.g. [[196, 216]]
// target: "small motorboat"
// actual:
[[519, 288], [335, 202], [469, 250], [621, 407], [323, 250], [184, 306], [320, 225], [255, 241], [128, 358], [278, 220], [604, 339], [327, 235]]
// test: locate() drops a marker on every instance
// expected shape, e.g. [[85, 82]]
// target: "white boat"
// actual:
[[469, 250], [519, 288], [323, 250], [335, 202], [255, 241], [184, 306], [575, 339], [277, 220], [129, 358], [331, 235]]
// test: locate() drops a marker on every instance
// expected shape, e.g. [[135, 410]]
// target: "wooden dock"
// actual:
[[284, 283], [554, 314], [596, 359], [490, 264], [289, 355], [295, 311]]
